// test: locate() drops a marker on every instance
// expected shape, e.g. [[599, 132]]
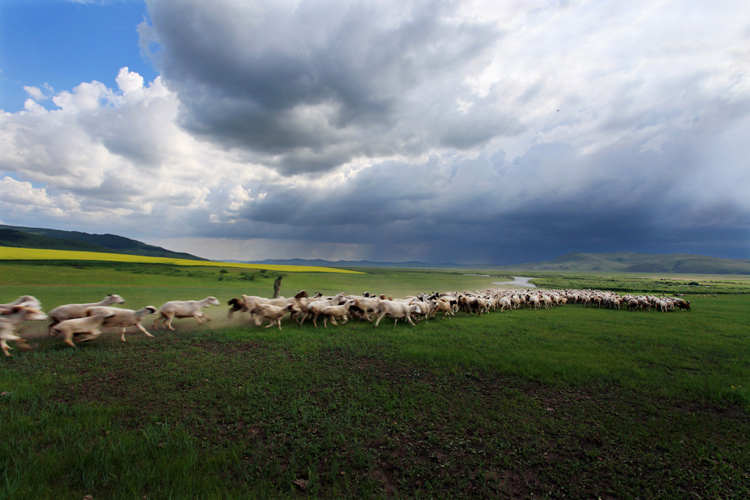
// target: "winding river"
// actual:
[[519, 281]]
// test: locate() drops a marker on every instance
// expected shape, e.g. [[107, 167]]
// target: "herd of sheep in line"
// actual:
[[87, 320]]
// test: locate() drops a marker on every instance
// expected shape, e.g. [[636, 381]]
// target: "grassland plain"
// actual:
[[567, 403]]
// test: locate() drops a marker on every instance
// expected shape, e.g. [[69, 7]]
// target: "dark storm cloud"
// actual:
[[548, 202], [308, 88]]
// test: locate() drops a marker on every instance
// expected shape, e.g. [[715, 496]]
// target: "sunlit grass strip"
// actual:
[[12, 253]]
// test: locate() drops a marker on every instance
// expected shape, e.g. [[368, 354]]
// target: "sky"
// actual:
[[440, 131]]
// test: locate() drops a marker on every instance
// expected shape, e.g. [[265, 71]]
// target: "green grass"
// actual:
[[571, 402]]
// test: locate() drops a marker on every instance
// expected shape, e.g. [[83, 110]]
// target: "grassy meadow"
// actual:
[[570, 402]]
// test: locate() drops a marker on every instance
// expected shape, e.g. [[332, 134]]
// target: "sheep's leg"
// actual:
[[92, 335], [69, 339], [333, 320], [22, 344], [408, 318], [141, 328], [379, 318], [123, 334], [315, 320], [169, 322]]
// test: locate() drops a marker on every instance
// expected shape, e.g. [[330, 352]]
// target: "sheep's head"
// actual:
[[30, 313], [115, 299]]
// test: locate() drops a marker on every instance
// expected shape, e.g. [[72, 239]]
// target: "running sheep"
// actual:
[[184, 309], [70, 311], [123, 318]]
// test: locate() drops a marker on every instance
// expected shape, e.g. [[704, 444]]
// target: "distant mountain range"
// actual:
[[627, 262], [54, 239], [623, 262]]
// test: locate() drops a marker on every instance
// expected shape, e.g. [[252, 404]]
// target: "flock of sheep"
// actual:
[[87, 320], [425, 306]]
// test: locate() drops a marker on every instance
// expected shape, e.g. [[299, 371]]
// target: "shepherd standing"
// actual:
[[276, 287]]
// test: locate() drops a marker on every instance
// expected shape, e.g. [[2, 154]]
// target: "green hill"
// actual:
[[628, 262], [54, 239]]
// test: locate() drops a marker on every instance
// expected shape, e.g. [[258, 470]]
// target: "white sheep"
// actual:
[[546, 301], [367, 305], [272, 313], [336, 312], [313, 307], [184, 309], [11, 319], [505, 303], [247, 303], [70, 311], [443, 305], [123, 318], [23, 301], [533, 301], [88, 324], [397, 310], [426, 307]]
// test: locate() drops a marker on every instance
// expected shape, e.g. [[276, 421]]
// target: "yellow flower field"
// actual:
[[12, 253]]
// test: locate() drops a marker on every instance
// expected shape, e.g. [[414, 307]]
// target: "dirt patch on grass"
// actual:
[[377, 427]]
